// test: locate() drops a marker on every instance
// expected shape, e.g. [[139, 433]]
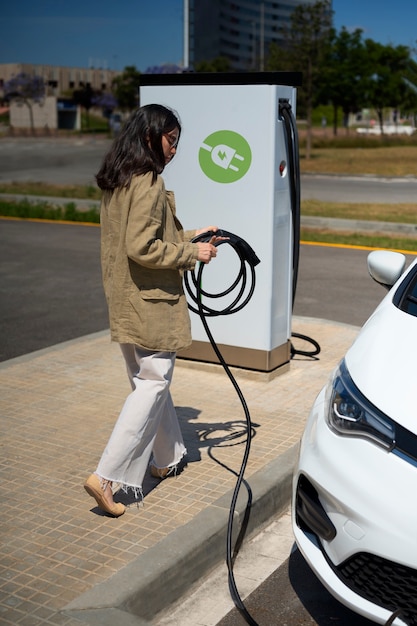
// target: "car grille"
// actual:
[[382, 582]]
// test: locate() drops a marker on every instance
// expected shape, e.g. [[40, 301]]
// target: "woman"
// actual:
[[144, 251]]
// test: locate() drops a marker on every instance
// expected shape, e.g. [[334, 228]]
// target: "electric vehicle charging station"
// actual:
[[233, 169]]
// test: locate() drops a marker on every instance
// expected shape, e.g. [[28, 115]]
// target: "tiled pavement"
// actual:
[[58, 407]]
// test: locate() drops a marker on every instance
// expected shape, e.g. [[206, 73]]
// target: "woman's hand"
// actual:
[[206, 251]]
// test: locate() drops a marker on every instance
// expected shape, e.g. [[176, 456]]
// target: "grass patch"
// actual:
[[89, 192], [94, 123], [408, 244], [373, 161], [44, 211], [352, 139], [402, 213]]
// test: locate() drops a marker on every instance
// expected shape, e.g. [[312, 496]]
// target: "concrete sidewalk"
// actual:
[[63, 562]]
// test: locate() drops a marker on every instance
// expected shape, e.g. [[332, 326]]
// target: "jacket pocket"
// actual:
[[156, 293]]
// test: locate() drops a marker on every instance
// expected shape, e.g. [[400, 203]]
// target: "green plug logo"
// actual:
[[225, 156]]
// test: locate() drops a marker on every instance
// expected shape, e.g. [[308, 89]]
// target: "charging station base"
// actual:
[[251, 359]]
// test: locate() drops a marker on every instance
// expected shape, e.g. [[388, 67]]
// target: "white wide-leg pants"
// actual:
[[147, 424]]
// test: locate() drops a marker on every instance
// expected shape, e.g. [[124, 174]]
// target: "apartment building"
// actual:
[[240, 30]]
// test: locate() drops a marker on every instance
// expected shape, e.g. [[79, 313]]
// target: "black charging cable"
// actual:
[[247, 259], [290, 129], [248, 262]]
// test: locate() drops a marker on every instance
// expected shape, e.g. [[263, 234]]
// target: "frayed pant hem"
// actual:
[[172, 467], [117, 485]]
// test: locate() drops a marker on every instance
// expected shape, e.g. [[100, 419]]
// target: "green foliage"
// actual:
[[44, 211], [410, 80], [306, 42], [90, 192], [219, 64], [384, 79], [342, 70], [125, 88], [71, 214], [84, 97], [325, 111], [94, 123], [341, 79]]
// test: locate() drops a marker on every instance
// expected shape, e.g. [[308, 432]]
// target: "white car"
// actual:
[[354, 510]]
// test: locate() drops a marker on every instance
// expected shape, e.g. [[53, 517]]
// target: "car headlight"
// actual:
[[350, 413]]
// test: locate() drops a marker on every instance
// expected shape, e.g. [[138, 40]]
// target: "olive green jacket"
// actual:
[[144, 252]]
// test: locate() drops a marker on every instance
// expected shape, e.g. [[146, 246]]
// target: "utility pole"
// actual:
[[262, 39], [253, 45], [186, 34]]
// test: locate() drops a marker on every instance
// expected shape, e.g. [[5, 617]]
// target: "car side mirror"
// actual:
[[385, 266]]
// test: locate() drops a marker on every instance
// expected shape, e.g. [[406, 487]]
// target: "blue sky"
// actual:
[[386, 22], [149, 32]]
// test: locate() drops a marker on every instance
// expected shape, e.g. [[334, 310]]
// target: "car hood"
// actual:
[[381, 362]]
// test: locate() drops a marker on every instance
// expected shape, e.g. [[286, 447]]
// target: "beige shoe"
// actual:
[[161, 472], [95, 489]]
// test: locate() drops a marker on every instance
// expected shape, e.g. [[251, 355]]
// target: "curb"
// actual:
[[180, 560]]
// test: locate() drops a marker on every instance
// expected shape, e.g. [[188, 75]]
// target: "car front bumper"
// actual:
[[355, 520]]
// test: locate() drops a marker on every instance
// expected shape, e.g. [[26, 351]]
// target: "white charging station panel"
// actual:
[[231, 170]]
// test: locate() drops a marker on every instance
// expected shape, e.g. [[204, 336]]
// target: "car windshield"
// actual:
[[406, 295]]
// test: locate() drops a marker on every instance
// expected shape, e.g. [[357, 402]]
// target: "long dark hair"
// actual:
[[138, 148]]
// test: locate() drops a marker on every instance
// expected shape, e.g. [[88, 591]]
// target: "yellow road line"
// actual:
[[352, 247], [35, 219]]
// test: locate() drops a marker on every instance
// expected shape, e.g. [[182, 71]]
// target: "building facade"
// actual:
[[56, 110], [60, 81], [48, 115], [240, 30]]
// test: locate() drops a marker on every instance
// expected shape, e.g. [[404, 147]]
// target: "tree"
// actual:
[[342, 78], [85, 97], [27, 89], [409, 105], [305, 44], [125, 88], [387, 65], [219, 64]]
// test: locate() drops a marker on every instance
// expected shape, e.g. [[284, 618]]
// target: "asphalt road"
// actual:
[[62, 162], [294, 596], [50, 285]]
